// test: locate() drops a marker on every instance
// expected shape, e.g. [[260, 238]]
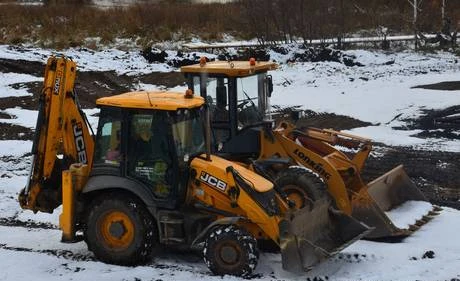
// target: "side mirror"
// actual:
[[270, 85]]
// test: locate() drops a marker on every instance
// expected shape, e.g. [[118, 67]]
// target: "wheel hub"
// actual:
[[117, 229], [229, 254], [297, 195]]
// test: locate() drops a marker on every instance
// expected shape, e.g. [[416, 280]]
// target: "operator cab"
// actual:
[[149, 140], [237, 94]]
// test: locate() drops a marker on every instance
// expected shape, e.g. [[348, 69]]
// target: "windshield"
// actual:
[[188, 132], [251, 93], [250, 97]]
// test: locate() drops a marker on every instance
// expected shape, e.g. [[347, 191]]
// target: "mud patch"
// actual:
[[15, 132], [26, 224], [443, 123], [5, 116], [57, 253], [309, 118], [22, 66], [444, 86]]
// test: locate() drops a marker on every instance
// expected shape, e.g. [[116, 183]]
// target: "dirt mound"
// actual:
[[260, 54], [446, 86], [153, 55], [325, 54], [309, 118]]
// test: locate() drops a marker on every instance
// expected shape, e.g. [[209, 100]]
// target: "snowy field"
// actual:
[[380, 92]]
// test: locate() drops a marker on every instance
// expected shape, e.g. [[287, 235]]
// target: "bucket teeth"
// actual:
[[428, 217], [437, 208], [421, 221], [414, 227], [388, 193]]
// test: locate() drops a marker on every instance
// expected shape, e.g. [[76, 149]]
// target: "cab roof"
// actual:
[[230, 68], [159, 100]]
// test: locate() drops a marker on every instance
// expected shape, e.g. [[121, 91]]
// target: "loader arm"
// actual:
[[323, 140], [62, 137]]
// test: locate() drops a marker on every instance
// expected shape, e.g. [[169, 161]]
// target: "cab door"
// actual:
[[150, 153]]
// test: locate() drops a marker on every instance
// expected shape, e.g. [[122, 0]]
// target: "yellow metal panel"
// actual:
[[218, 165], [212, 187], [66, 219], [230, 68], [160, 100]]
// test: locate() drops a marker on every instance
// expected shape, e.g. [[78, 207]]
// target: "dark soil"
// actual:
[[15, 132], [444, 123], [446, 86], [435, 172], [308, 118]]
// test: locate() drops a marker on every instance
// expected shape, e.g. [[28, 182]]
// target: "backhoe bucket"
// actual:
[[309, 236], [393, 205]]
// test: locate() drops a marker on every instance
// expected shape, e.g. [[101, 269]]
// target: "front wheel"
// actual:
[[230, 250], [301, 186], [120, 230]]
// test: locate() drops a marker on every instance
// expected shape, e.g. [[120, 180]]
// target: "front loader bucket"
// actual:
[[309, 236], [393, 205]]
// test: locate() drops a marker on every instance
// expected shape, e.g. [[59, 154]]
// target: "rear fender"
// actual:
[[106, 182]]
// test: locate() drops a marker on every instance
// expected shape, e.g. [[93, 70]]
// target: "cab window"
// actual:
[[108, 144], [248, 103]]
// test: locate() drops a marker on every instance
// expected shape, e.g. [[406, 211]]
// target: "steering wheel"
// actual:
[[242, 104]]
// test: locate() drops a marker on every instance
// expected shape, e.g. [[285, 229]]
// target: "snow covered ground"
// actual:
[[379, 92]]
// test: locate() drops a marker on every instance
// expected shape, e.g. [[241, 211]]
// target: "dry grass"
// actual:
[[61, 26], [64, 25]]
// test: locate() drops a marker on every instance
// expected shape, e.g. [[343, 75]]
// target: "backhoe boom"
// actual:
[[62, 137]]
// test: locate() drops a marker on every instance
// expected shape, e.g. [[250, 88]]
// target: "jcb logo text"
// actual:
[[213, 181]]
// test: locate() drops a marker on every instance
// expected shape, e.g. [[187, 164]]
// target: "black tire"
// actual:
[[230, 250], [119, 230], [301, 186]]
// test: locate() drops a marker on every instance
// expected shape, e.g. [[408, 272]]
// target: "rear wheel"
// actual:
[[230, 250], [120, 230], [301, 186]]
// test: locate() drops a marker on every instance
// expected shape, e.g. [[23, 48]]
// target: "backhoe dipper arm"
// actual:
[[62, 129]]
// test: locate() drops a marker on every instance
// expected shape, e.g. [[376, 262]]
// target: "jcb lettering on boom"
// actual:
[[57, 84], [213, 181], [80, 143]]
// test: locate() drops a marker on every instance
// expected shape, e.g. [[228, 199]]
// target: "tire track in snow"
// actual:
[[13, 222], [66, 254]]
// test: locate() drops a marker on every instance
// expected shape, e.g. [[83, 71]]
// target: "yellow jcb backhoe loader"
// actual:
[[238, 94], [148, 177]]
